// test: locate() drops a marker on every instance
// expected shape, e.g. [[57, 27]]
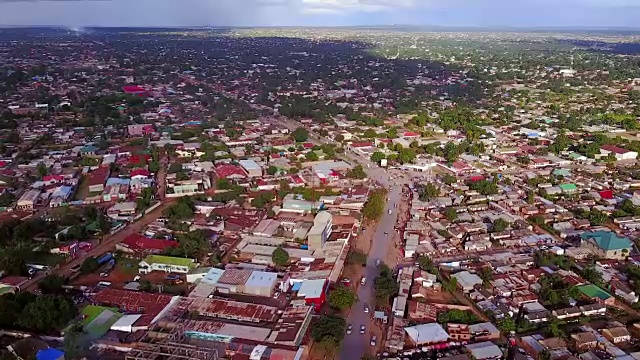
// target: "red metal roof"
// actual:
[[606, 194], [362, 144], [140, 172], [226, 170], [149, 304], [614, 149], [137, 242]]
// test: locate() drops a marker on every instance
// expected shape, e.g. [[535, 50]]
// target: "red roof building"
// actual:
[[614, 149], [148, 304], [134, 89], [228, 171], [136, 243], [606, 194], [142, 173], [411, 134], [364, 144]]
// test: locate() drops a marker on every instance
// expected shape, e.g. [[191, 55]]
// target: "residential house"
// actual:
[[617, 334], [606, 244], [618, 152]]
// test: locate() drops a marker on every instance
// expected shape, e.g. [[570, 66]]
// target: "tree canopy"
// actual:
[[280, 257], [300, 134], [341, 298]]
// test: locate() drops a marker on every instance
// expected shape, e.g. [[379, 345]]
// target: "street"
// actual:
[[355, 344]]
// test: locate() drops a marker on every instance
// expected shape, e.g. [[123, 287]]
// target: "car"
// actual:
[[346, 281], [363, 281], [366, 309], [173, 277], [349, 328], [386, 233], [377, 262], [276, 295], [104, 274], [361, 329], [373, 340]]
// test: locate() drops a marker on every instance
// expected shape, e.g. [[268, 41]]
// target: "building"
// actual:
[[139, 129], [606, 244], [320, 231], [617, 334], [97, 179], [251, 167], [484, 350], [426, 334], [314, 292], [166, 264], [295, 203], [477, 332], [28, 200], [466, 280], [242, 281], [596, 294], [619, 153], [139, 244]]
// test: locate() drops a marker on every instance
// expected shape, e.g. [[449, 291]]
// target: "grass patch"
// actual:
[[127, 266], [91, 312]]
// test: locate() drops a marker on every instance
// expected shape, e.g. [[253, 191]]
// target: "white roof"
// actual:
[[312, 289], [427, 333], [125, 323], [249, 164]]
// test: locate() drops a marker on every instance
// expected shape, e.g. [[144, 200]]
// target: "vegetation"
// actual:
[[300, 135], [357, 173], [342, 298], [356, 257], [280, 257], [554, 291], [329, 330], [182, 209], [428, 191], [192, 244], [47, 313], [385, 286], [374, 207], [458, 317]]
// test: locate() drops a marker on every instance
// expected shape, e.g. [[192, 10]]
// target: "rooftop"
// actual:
[[169, 260], [430, 333], [607, 240]]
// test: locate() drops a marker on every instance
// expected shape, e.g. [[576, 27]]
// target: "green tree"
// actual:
[[300, 135], [89, 265], [52, 284], [428, 191], [280, 256], [182, 209], [272, 170], [370, 134], [458, 317], [312, 156], [406, 155], [506, 325], [427, 264], [47, 313], [329, 329], [357, 173], [499, 225], [450, 214], [597, 217], [355, 257], [341, 298], [223, 184], [42, 170], [74, 343], [374, 206], [544, 355], [377, 156], [192, 244]]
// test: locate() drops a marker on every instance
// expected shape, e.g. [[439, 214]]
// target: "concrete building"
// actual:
[[166, 264], [619, 153], [466, 280], [251, 167], [28, 200], [321, 230]]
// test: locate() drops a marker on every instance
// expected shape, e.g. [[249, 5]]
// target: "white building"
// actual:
[[251, 167]]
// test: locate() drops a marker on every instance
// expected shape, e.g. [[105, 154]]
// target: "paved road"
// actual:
[[355, 345]]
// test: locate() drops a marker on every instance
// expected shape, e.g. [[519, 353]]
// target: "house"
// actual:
[[139, 174], [606, 244], [140, 129], [467, 281], [617, 334], [584, 340], [596, 294], [568, 188], [138, 244], [619, 153], [97, 179], [230, 171], [61, 195], [122, 209], [28, 200], [166, 264]]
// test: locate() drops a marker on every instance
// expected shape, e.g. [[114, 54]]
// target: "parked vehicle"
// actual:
[[349, 328], [361, 329], [373, 340], [363, 281]]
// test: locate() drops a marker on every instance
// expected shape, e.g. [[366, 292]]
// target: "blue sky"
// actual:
[[473, 13]]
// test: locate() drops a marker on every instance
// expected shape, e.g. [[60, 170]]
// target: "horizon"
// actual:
[[523, 14]]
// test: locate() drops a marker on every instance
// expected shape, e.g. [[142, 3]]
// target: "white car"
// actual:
[[349, 328], [366, 309], [373, 340]]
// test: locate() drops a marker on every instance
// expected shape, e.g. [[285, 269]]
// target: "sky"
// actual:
[[458, 13]]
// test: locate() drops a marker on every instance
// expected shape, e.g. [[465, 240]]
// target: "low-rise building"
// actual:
[[168, 264]]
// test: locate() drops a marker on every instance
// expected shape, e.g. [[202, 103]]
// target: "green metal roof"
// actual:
[[593, 291], [169, 260], [568, 187], [607, 240]]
